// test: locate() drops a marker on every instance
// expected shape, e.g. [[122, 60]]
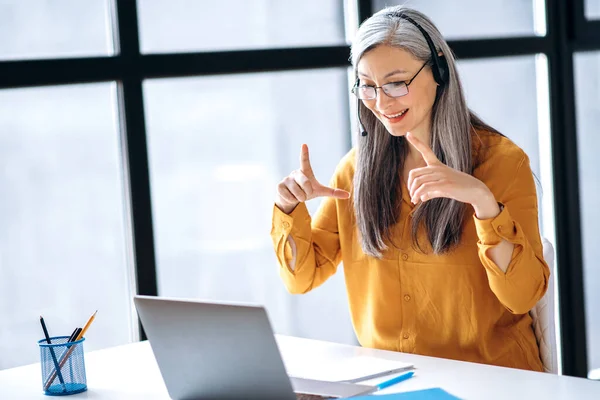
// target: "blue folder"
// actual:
[[427, 394]]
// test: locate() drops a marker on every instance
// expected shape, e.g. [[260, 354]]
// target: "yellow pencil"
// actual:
[[67, 354], [87, 325]]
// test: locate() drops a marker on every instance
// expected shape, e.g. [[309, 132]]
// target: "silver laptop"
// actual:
[[208, 350]]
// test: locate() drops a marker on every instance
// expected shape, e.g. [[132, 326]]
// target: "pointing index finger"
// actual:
[[305, 166], [428, 154]]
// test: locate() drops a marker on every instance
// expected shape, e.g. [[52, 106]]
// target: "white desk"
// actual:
[[130, 372]]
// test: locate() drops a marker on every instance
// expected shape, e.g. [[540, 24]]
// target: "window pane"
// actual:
[[218, 147], [197, 25], [54, 29], [62, 237], [463, 19], [587, 89], [592, 9]]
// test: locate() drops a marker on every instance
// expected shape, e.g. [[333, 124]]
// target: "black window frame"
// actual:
[[568, 32]]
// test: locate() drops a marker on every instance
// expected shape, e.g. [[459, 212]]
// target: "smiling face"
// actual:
[[408, 113]]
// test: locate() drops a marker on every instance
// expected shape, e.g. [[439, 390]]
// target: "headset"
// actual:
[[439, 66]]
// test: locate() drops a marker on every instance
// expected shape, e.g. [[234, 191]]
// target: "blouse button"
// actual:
[[406, 297], [286, 225], [499, 228], [404, 256], [405, 336]]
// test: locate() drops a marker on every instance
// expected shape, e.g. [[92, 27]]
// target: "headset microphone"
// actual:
[[363, 131]]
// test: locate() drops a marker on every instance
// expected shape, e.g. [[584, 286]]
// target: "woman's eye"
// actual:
[[395, 85]]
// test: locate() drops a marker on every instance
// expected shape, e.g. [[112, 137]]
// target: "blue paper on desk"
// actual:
[[427, 394]]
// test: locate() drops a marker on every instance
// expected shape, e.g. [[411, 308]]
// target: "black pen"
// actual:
[[54, 360], [74, 335]]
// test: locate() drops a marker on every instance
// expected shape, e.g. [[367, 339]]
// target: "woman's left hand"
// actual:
[[439, 180]]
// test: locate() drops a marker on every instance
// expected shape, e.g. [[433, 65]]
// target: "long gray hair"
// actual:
[[380, 155]]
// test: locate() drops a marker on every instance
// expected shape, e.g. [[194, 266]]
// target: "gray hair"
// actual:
[[380, 155]]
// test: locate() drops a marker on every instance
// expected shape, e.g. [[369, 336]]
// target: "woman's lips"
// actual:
[[397, 117]]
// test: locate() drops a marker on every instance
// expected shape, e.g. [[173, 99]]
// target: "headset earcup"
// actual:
[[443, 71]]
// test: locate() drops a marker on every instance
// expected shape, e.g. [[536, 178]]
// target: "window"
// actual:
[[54, 29], [587, 89], [63, 231], [467, 19], [592, 9], [64, 250], [202, 25], [218, 147]]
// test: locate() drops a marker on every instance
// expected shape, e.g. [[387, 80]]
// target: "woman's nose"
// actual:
[[383, 100]]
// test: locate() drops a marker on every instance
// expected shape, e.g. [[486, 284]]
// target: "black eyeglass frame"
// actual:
[[406, 84]]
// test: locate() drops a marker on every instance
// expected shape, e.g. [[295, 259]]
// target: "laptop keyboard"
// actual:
[[302, 396]]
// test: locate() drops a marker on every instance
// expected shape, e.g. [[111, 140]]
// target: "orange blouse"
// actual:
[[458, 305]]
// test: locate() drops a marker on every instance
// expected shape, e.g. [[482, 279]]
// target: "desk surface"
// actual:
[[130, 372]]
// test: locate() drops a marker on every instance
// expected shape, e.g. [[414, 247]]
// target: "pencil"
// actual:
[[87, 325], [52, 354], [68, 353]]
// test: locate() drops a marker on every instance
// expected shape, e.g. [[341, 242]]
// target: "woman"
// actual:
[[434, 213]]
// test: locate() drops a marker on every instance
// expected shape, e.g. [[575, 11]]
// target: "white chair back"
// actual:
[[543, 317]]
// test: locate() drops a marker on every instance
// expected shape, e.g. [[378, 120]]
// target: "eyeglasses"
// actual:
[[392, 89]]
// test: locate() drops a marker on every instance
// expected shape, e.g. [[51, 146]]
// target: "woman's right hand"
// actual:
[[301, 185]]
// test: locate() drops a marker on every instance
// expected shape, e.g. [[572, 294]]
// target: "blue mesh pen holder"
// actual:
[[68, 356]]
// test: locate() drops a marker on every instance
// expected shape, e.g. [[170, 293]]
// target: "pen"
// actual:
[[73, 336], [395, 380], [68, 353], [387, 383], [52, 354]]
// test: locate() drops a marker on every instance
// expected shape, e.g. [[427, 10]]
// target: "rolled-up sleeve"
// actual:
[[317, 245], [526, 278]]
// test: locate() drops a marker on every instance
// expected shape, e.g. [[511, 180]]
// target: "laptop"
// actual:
[[210, 350]]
